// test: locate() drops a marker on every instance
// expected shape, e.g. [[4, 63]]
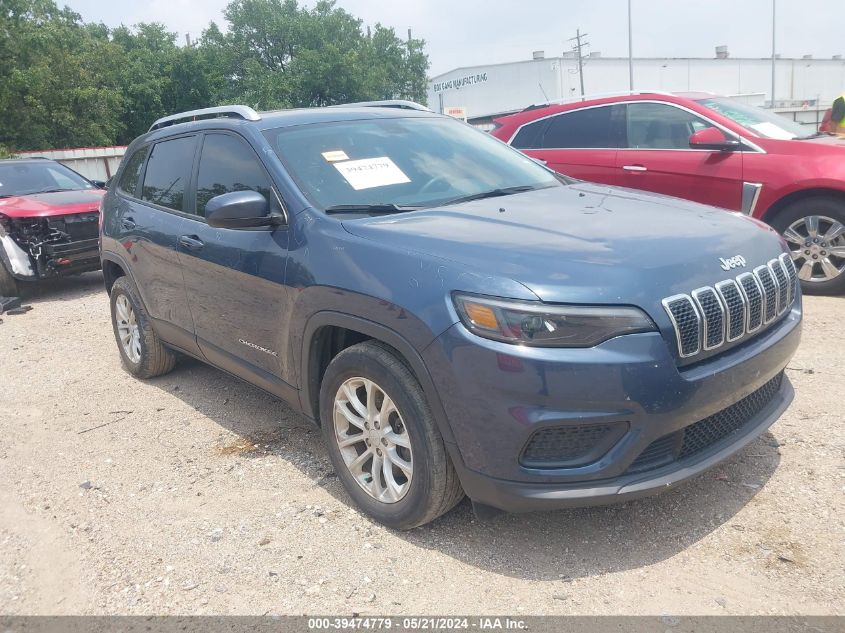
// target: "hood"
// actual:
[[584, 243], [51, 204]]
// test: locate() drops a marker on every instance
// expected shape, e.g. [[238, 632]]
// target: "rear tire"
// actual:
[[383, 440], [141, 351], [814, 229], [8, 284]]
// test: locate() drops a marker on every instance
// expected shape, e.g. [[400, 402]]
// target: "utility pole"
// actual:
[[774, 57], [578, 48], [630, 52], [409, 94]]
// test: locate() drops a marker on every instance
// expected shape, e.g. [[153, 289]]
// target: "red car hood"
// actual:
[[51, 204]]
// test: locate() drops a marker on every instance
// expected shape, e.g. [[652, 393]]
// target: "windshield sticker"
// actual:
[[772, 131], [371, 172], [335, 155]]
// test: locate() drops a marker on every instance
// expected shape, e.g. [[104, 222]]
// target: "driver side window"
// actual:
[[227, 164], [661, 126]]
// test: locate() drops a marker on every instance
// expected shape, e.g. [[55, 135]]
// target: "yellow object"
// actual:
[[482, 316]]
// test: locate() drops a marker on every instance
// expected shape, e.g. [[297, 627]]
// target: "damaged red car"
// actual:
[[48, 222]]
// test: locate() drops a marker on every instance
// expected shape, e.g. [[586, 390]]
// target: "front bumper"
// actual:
[[496, 398]]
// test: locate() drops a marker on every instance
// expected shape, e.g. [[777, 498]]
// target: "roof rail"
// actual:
[[232, 111], [600, 95], [385, 103]]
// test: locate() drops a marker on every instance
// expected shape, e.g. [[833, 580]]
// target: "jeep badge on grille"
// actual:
[[737, 261]]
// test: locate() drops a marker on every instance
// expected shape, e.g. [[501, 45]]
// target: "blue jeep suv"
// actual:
[[457, 318]]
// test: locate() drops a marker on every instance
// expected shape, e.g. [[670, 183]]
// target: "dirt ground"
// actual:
[[196, 493]]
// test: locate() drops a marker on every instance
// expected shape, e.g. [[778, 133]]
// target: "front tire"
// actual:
[[383, 440], [814, 229], [142, 352]]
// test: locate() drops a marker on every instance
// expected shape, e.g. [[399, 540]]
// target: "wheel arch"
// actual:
[[802, 194], [320, 344]]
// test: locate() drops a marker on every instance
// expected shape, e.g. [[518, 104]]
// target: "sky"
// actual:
[[471, 32]]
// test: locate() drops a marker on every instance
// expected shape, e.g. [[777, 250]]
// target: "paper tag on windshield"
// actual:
[[772, 131], [371, 172], [335, 155]]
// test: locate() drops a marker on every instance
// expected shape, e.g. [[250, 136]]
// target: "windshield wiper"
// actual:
[[493, 193], [53, 190], [382, 207], [814, 135]]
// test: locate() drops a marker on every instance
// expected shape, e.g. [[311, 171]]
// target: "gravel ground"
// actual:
[[196, 493]]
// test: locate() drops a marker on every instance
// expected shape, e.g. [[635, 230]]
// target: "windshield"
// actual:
[[406, 162], [19, 179], [765, 123]]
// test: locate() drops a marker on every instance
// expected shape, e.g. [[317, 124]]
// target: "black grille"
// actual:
[[657, 454], [783, 285], [770, 292], [707, 432], [80, 226], [714, 317], [751, 288], [566, 445], [687, 325], [732, 298]]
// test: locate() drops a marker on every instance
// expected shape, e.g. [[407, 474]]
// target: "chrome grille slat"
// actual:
[[713, 315], [687, 323], [753, 292], [770, 293], [782, 282], [736, 308], [709, 317], [791, 274]]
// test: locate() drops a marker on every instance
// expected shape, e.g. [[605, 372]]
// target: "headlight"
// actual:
[[540, 325]]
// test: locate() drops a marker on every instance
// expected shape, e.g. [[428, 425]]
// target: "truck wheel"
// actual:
[[383, 440], [814, 228], [8, 284], [141, 351]]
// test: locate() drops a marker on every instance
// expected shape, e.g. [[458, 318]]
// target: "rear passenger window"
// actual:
[[228, 164], [590, 128], [530, 136], [168, 172], [132, 172]]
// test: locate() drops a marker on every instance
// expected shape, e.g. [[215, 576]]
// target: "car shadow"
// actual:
[[61, 288], [541, 546]]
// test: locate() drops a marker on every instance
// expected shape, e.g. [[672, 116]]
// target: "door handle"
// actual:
[[191, 242], [635, 168], [128, 223]]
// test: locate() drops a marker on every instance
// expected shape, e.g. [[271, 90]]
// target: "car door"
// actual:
[[579, 143], [657, 157], [235, 277], [151, 198]]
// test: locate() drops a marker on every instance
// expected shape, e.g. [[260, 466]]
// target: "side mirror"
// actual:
[[240, 210], [714, 139], [100, 184]]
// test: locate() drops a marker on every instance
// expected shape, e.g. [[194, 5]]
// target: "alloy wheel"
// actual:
[[817, 246], [127, 329], [373, 440]]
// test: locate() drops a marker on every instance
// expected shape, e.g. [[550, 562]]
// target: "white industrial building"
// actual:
[[802, 86]]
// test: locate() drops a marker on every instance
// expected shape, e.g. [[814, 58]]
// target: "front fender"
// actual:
[[309, 392]]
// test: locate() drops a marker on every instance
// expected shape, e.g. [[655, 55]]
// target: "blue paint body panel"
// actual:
[[393, 278]]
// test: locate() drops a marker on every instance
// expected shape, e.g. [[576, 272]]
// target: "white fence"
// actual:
[[95, 163]]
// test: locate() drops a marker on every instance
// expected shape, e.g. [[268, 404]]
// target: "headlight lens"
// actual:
[[541, 325]]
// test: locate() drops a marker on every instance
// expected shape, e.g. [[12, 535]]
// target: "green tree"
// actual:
[[64, 83], [52, 90]]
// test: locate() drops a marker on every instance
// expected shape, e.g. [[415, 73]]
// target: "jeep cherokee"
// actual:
[[457, 318]]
